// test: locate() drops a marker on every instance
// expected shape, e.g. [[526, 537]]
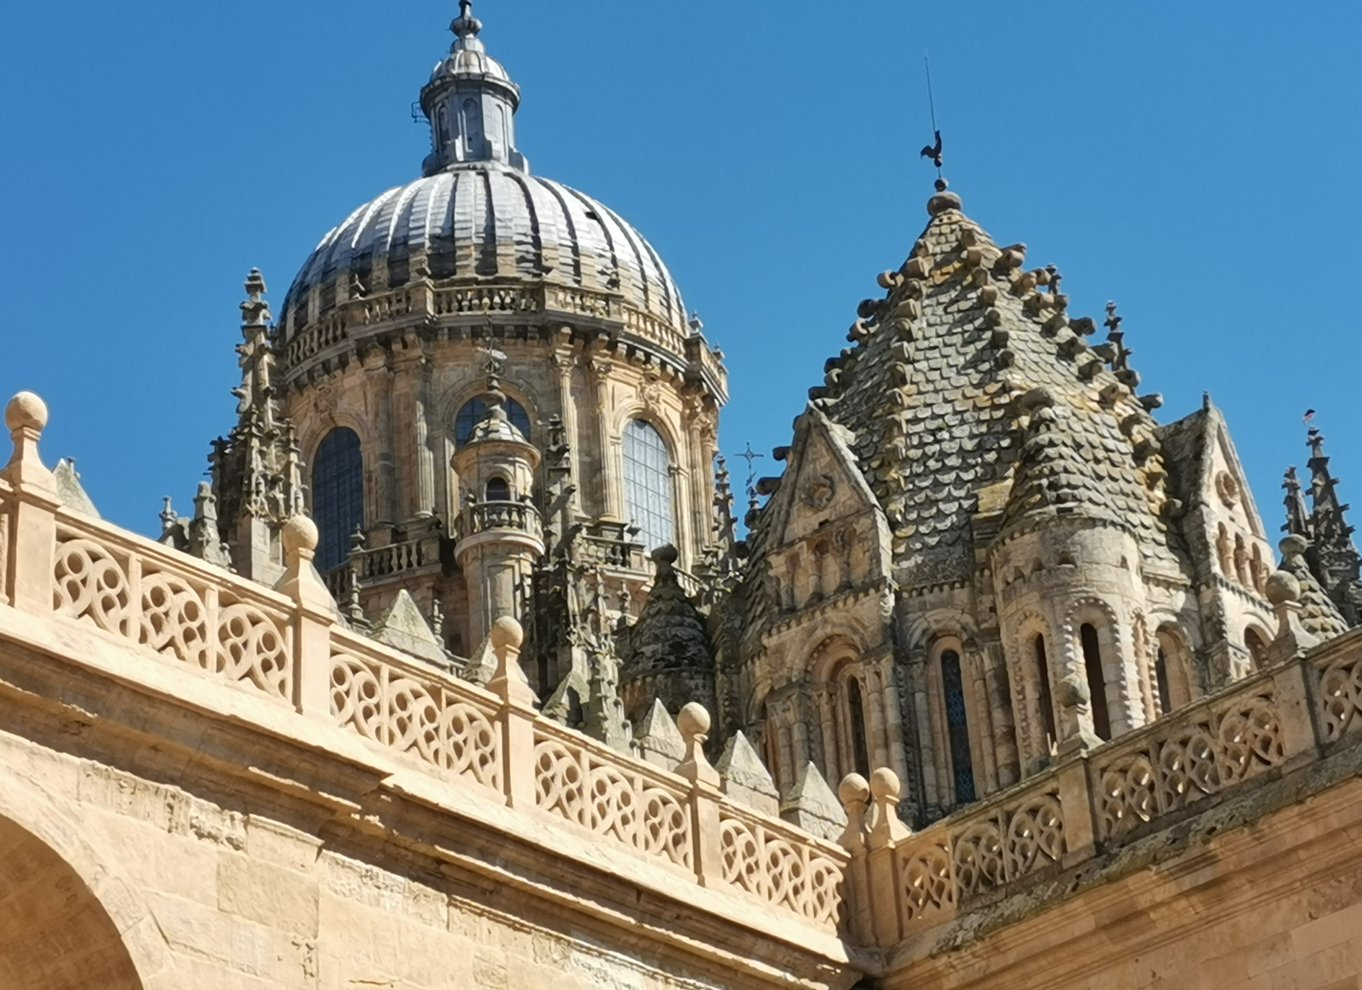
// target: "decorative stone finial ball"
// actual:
[[1293, 546], [1073, 692], [884, 783], [693, 720], [665, 554], [853, 789], [1282, 587], [300, 535], [26, 411], [506, 632]]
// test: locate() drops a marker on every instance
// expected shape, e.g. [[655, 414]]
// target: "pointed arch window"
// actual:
[[957, 727], [648, 484], [474, 411], [1161, 682], [337, 495]]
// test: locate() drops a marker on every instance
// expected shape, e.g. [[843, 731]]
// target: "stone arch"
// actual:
[[1112, 705], [69, 921], [1176, 681], [456, 396], [954, 739], [1037, 669]]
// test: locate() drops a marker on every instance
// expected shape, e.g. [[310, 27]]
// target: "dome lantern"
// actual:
[[470, 102]]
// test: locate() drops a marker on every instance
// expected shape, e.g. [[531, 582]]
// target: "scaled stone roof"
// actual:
[[967, 373], [670, 633], [1319, 615]]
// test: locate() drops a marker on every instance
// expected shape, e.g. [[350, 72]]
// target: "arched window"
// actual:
[[498, 490], [648, 484], [957, 727], [337, 495], [860, 751], [1257, 647], [1161, 681], [1047, 704], [474, 411], [1097, 681]]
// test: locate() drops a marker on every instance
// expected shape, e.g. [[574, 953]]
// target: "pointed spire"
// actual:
[[1332, 555], [1297, 512]]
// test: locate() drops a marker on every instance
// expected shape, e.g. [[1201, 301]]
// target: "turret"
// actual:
[[499, 534]]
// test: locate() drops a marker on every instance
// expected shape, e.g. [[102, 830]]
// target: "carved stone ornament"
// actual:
[[1226, 489], [818, 492], [326, 401]]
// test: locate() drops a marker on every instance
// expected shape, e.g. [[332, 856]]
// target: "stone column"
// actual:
[[563, 362], [608, 494], [425, 456], [380, 380]]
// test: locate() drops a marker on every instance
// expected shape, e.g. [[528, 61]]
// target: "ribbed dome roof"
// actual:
[[493, 222]]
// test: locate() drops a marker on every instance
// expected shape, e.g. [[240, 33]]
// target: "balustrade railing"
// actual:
[[376, 563], [882, 885], [287, 646], [479, 517]]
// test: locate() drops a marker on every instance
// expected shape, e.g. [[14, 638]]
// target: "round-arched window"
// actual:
[[474, 411], [337, 495], [498, 490], [648, 484]]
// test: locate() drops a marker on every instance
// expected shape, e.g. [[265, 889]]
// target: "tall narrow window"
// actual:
[[1097, 681], [648, 484], [957, 727], [1047, 704], [1161, 679], [860, 751], [337, 495], [1257, 648], [474, 411]]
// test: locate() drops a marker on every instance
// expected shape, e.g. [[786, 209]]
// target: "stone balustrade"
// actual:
[[378, 563], [480, 517], [903, 885], [288, 646]]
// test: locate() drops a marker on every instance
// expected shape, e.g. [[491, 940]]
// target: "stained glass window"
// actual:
[[957, 726], [648, 484], [337, 495], [474, 411]]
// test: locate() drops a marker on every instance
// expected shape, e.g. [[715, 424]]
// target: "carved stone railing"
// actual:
[[904, 884], [173, 606], [405, 706], [289, 646], [480, 517], [487, 299], [378, 563]]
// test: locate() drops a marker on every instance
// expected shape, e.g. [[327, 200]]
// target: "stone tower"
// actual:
[[984, 550]]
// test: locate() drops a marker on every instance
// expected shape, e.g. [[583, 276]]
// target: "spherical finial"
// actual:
[[665, 557], [693, 720], [300, 537], [853, 789], [884, 783], [1073, 691], [941, 185], [1282, 587], [944, 200], [506, 633], [1293, 546], [26, 411]]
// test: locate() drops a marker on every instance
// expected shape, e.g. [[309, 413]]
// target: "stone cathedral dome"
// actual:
[[478, 214]]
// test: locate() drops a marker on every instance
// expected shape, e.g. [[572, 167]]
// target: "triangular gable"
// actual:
[[822, 484]]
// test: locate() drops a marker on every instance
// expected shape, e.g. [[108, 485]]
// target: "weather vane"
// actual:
[[495, 360], [932, 151], [751, 457]]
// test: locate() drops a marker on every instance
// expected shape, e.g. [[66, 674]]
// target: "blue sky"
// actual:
[[1195, 162]]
